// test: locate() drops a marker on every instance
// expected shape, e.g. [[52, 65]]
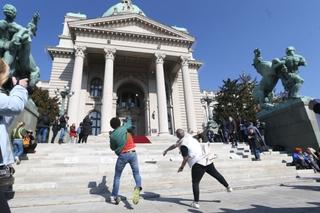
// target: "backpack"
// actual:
[[26, 142]]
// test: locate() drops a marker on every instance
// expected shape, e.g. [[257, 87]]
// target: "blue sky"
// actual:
[[227, 31]]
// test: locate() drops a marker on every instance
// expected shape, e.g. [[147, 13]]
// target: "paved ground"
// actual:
[[302, 197]]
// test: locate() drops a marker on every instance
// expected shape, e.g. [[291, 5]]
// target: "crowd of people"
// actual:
[[23, 141], [308, 159], [60, 125], [233, 132]]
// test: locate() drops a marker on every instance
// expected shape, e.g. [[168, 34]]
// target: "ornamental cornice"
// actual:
[[120, 19], [131, 35], [58, 52], [195, 64]]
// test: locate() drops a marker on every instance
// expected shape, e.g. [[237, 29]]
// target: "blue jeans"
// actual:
[[256, 153], [17, 147], [122, 160], [62, 133], [42, 135]]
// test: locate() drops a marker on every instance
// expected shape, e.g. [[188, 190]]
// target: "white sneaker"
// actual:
[[229, 189], [115, 200], [195, 205], [17, 160]]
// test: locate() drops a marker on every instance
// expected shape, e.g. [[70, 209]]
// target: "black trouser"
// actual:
[[4, 207], [197, 173], [54, 136], [80, 137], [85, 138]]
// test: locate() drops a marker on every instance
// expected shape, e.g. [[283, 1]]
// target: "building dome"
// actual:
[[124, 7]]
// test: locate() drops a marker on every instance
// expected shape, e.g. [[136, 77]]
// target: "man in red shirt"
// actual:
[[121, 142]]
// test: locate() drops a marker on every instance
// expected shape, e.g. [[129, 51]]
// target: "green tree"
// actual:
[[45, 103], [235, 99]]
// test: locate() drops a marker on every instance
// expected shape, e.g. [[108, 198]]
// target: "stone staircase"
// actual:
[[76, 173]]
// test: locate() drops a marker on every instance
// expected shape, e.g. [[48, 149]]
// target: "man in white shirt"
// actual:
[[199, 162]]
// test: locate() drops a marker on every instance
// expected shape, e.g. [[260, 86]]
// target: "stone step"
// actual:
[[128, 184], [109, 162], [55, 172], [24, 199], [52, 181], [150, 172]]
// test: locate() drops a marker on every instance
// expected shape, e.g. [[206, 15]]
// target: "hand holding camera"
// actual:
[[314, 105], [22, 82]]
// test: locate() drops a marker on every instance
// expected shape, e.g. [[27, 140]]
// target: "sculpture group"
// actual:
[[286, 69], [15, 45]]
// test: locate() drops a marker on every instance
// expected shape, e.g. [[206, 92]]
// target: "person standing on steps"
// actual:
[[86, 128], [43, 125], [63, 127], [121, 142], [199, 161], [55, 129]]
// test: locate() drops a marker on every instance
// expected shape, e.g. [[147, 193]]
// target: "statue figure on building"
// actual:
[[15, 45], [128, 4]]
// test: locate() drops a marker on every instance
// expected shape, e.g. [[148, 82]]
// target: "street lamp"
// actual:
[[63, 94], [208, 100]]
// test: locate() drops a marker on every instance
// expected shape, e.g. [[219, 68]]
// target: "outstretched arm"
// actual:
[[128, 123], [172, 147]]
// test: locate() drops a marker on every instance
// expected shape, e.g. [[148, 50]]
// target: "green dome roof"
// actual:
[[122, 8]]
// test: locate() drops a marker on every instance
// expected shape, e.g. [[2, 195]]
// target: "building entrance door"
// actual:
[[131, 103]]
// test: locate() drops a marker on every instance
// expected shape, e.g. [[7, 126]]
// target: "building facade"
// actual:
[[125, 63]]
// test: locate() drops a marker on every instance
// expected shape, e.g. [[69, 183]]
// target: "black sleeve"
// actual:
[[316, 108], [184, 151]]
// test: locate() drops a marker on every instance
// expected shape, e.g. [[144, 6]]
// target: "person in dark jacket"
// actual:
[[80, 133], [86, 128], [55, 129], [63, 126], [43, 127], [255, 146], [231, 126]]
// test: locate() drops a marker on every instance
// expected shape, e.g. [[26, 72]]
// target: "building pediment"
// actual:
[[130, 25]]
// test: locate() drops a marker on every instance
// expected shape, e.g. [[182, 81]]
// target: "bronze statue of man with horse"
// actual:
[[285, 69]]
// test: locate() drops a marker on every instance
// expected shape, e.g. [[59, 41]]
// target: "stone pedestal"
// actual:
[[29, 115], [292, 124]]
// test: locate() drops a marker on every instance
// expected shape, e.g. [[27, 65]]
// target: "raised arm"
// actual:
[[128, 124], [15, 102]]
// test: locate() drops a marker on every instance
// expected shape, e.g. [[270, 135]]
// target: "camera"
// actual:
[[314, 105]]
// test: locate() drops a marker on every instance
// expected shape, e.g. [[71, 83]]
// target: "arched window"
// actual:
[[96, 87], [96, 122]]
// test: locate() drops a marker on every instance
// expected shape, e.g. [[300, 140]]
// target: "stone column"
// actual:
[[188, 95], [107, 98], [161, 95], [74, 101]]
